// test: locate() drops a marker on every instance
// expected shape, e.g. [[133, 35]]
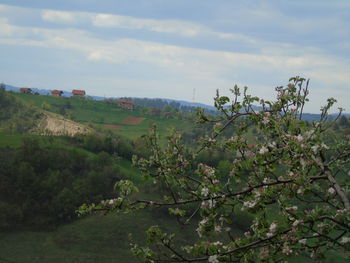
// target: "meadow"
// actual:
[[101, 114]]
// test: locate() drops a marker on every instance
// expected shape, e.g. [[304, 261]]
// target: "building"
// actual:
[[78, 93], [25, 90], [57, 93], [126, 104]]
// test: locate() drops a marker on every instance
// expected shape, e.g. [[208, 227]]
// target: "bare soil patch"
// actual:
[[113, 127], [133, 120], [54, 124]]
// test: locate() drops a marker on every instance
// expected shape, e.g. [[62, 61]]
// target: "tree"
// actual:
[[343, 121], [288, 190]]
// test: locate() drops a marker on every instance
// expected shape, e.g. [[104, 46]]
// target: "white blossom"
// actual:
[[314, 149], [296, 223], [265, 120], [345, 240], [247, 234], [273, 227], [302, 241], [324, 146], [263, 150], [200, 227], [300, 191], [212, 203], [287, 251], [299, 138], [309, 134], [272, 145], [331, 191], [249, 204], [269, 234], [264, 253], [218, 228], [112, 201], [205, 192], [292, 208], [213, 259]]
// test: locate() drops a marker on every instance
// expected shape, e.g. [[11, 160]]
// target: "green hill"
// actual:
[[34, 177], [31, 182], [102, 115], [16, 116]]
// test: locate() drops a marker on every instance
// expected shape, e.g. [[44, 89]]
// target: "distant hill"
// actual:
[[151, 102]]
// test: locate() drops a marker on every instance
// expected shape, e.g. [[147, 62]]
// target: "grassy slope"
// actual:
[[10, 139], [96, 238], [99, 112]]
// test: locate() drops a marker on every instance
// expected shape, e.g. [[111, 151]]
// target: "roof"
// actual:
[[57, 92], [25, 89], [126, 102], [78, 92]]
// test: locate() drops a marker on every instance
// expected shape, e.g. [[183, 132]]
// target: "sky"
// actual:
[[177, 49]]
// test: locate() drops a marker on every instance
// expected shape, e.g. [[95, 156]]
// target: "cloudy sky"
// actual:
[[177, 48]]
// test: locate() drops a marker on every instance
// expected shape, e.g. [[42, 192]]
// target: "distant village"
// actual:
[[122, 103]]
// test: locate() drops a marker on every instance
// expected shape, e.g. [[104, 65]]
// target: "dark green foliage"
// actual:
[[42, 186], [14, 115], [115, 145], [344, 121]]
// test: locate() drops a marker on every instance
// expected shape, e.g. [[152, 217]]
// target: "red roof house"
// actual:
[[57, 93], [25, 90], [126, 104], [78, 93]]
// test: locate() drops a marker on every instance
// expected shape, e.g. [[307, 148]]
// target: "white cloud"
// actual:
[[58, 16], [182, 28], [5, 28], [186, 67], [65, 17], [191, 63], [161, 26]]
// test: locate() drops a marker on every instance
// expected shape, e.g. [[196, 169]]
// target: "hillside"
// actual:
[[19, 116], [102, 115], [45, 178], [162, 102]]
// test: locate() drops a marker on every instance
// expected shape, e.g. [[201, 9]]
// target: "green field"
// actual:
[[98, 238], [10, 139], [101, 113]]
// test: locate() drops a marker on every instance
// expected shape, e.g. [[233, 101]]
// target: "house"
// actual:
[[78, 93], [25, 90], [126, 104], [57, 93]]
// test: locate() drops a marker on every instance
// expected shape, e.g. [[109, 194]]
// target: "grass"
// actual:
[[14, 139], [97, 238], [99, 113]]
